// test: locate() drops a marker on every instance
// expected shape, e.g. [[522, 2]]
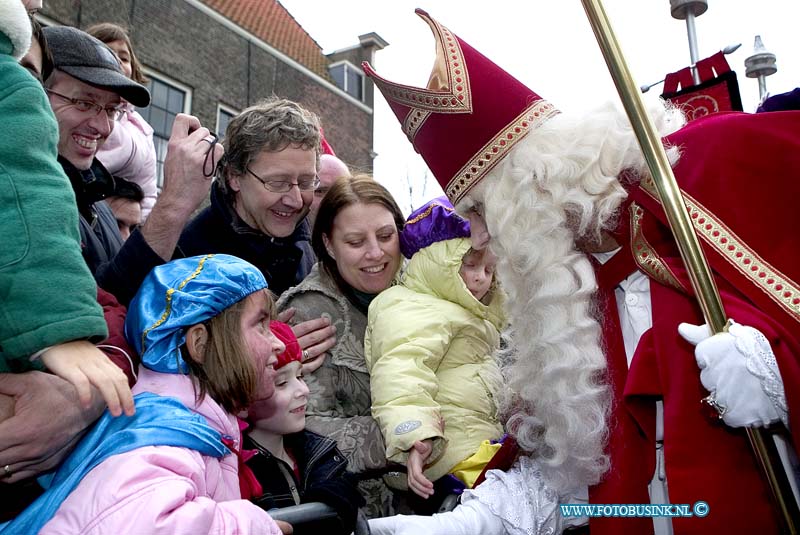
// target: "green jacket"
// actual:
[[429, 347], [47, 295]]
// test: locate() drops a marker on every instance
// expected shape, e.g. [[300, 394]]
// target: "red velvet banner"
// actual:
[[718, 89]]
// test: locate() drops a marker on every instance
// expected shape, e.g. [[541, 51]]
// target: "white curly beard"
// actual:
[[558, 184]]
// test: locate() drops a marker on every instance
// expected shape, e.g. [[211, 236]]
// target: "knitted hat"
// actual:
[[285, 334], [324, 145], [182, 293], [434, 221]]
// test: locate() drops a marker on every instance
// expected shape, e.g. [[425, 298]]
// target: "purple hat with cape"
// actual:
[[433, 222]]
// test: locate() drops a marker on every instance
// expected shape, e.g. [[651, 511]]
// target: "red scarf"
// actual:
[[248, 483]]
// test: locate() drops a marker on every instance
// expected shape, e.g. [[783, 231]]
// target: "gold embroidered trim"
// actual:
[[649, 186], [170, 291], [485, 159], [458, 97], [413, 122], [646, 256], [780, 288], [427, 212]]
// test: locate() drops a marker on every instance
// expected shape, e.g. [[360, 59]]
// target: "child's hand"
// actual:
[[417, 456], [83, 365], [285, 527]]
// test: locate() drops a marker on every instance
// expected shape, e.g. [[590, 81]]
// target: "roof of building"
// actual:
[[272, 23]]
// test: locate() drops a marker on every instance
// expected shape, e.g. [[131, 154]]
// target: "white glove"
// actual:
[[738, 367]]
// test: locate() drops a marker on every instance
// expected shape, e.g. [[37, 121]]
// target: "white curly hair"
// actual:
[[558, 185]]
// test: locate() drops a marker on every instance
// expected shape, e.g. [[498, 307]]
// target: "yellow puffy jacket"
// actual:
[[429, 348]]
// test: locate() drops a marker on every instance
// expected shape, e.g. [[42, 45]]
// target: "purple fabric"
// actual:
[[781, 102], [449, 484], [500, 440], [434, 221]]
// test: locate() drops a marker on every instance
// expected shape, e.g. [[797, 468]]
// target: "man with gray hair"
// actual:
[[260, 200], [263, 193]]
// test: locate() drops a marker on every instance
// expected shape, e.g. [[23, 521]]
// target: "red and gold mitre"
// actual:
[[470, 115]]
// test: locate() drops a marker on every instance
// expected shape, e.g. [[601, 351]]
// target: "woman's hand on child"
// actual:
[[417, 456], [83, 365], [315, 336]]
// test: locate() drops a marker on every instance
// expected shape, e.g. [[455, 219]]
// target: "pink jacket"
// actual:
[[129, 153], [164, 489]]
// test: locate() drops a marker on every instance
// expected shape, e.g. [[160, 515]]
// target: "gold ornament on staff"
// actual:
[[699, 272]]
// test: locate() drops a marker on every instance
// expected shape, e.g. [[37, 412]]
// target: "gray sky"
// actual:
[[549, 46]]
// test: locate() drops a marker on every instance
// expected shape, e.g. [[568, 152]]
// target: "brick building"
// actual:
[[213, 58]]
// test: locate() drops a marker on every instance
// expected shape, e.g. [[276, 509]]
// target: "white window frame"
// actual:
[[161, 77], [187, 101], [227, 109], [349, 65]]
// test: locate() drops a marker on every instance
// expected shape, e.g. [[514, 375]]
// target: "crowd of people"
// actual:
[[529, 340]]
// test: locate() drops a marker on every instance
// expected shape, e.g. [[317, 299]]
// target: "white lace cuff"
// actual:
[[520, 498], [760, 361]]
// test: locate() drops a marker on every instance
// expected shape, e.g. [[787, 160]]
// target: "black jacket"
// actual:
[[217, 229], [323, 478], [118, 267]]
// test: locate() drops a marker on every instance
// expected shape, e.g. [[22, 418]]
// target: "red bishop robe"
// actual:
[[740, 175]]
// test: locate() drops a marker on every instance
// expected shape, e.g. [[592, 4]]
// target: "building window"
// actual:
[[224, 116], [349, 78], [167, 99]]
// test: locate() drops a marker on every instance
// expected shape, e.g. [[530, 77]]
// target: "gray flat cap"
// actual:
[[89, 60]]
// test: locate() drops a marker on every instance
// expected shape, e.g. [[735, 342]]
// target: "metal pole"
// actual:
[[685, 237], [762, 87], [692, 34]]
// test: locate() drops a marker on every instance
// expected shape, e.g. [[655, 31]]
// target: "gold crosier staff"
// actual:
[[688, 244]]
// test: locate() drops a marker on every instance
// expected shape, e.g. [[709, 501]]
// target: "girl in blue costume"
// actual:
[[201, 326]]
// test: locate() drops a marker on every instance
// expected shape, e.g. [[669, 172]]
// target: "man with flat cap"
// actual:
[[86, 91]]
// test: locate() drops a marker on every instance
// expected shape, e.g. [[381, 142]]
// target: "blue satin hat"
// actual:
[[180, 294]]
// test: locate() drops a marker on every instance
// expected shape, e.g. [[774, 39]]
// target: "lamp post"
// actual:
[[688, 10], [760, 65]]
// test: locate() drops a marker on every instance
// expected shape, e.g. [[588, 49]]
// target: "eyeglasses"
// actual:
[[85, 106], [284, 186], [320, 192]]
